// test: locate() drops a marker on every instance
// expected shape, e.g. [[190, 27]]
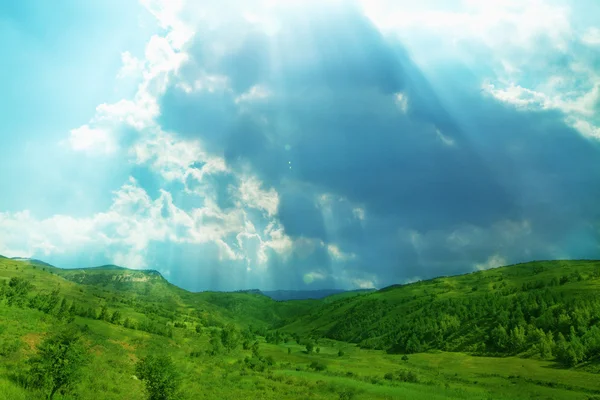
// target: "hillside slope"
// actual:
[[539, 307], [125, 315], [138, 293]]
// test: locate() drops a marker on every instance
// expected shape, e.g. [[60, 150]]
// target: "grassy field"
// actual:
[[284, 370]]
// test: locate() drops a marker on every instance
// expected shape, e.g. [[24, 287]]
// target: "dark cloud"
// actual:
[[456, 158]]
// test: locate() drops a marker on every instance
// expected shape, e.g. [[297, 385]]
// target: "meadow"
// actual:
[[387, 344]]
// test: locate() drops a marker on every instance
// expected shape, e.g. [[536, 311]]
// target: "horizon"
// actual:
[[300, 145]]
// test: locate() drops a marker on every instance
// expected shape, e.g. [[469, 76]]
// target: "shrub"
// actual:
[[318, 366], [57, 365], [159, 376]]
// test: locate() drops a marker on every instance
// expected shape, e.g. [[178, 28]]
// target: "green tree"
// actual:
[[115, 317], [310, 347], [128, 323], [103, 313], [216, 345], [518, 339], [230, 337], [159, 376], [16, 293], [500, 338], [63, 309], [57, 364], [255, 350]]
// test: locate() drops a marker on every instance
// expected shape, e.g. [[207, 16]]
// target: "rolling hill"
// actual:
[[497, 311], [435, 339]]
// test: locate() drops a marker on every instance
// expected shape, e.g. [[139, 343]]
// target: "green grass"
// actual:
[[359, 373]]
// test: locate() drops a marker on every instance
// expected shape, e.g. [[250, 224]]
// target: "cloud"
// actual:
[[402, 142], [132, 66], [278, 145], [89, 139], [493, 261]]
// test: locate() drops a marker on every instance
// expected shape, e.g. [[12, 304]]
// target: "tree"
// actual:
[[128, 323], [57, 364], [310, 347], [230, 337], [216, 345], [159, 376], [115, 318], [16, 293], [255, 350], [500, 338], [103, 313]]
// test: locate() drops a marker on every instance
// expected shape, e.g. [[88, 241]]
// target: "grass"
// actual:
[[358, 374]]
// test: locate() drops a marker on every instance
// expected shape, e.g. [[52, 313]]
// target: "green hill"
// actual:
[[541, 318], [508, 310]]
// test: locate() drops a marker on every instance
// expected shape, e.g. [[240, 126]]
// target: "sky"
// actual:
[[300, 144]]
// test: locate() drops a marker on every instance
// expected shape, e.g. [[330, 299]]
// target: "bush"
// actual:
[[159, 376], [57, 365], [318, 366], [8, 347]]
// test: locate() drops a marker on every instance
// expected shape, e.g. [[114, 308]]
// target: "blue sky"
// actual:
[[300, 144]]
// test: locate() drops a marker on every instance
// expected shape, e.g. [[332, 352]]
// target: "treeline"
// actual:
[[536, 317]]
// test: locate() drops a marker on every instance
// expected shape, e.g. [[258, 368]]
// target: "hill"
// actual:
[[521, 309], [283, 295], [139, 293], [541, 318]]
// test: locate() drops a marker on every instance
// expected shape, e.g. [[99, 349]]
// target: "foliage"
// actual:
[[58, 362], [160, 377]]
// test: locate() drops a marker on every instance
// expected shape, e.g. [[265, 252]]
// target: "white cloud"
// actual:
[[90, 139], [252, 195], [359, 213], [132, 113], [498, 24], [279, 241], [127, 229], [132, 66], [493, 261], [311, 277], [592, 37], [338, 255], [255, 93], [402, 102], [363, 284]]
